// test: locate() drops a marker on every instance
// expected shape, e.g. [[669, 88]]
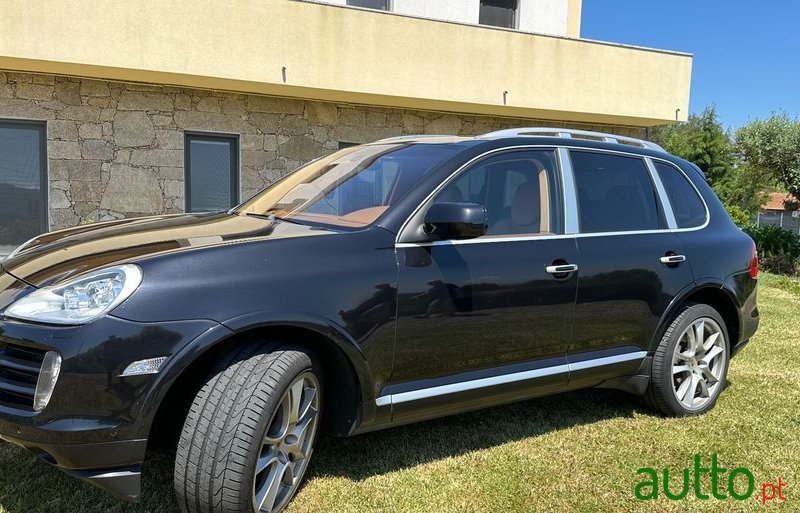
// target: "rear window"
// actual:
[[615, 193], [687, 206]]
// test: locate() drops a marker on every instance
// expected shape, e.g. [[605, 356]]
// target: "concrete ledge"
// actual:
[[323, 52]]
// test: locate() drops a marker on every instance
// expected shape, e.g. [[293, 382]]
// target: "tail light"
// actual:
[[754, 262]]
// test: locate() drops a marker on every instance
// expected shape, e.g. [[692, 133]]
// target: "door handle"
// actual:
[[672, 259], [561, 269]]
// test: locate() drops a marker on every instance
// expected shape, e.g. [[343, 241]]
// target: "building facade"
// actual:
[[554, 17], [113, 112]]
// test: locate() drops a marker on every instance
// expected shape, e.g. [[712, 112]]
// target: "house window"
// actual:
[[23, 183], [381, 5], [499, 13], [212, 172]]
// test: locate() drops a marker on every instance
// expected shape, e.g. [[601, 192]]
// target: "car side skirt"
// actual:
[[447, 395]]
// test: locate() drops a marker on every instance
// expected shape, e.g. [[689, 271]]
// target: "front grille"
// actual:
[[19, 371]]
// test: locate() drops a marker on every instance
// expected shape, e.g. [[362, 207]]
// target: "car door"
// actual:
[[631, 261], [487, 320]]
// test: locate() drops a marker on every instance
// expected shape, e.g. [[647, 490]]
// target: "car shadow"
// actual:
[[356, 458], [360, 457]]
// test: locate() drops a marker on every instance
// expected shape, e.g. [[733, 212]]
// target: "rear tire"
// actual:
[[251, 430], [687, 378]]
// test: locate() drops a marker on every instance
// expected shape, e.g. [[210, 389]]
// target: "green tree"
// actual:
[[772, 146], [745, 188], [701, 140]]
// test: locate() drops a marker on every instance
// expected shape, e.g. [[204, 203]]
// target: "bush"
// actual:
[[778, 249], [780, 264], [739, 216]]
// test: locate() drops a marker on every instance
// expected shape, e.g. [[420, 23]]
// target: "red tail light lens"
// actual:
[[754, 263]]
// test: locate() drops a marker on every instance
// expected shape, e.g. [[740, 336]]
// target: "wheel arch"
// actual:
[[343, 366], [712, 293]]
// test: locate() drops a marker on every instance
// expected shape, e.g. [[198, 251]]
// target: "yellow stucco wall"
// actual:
[[347, 55], [574, 18]]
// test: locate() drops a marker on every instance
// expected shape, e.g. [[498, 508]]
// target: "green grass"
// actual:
[[572, 452]]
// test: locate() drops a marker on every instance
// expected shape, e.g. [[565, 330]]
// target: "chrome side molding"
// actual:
[[463, 386]]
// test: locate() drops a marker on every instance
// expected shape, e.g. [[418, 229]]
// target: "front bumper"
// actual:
[[97, 422]]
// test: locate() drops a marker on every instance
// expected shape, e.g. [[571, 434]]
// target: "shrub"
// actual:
[[739, 216], [778, 249], [780, 264]]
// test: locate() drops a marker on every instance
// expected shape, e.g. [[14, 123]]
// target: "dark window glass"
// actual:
[[23, 194], [518, 189], [382, 5], [212, 172], [615, 193], [687, 206], [498, 13]]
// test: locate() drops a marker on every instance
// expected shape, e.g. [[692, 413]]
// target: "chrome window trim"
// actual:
[[662, 194], [696, 190], [458, 171], [474, 384], [479, 240]]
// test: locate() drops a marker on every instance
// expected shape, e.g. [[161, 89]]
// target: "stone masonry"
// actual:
[[117, 149]]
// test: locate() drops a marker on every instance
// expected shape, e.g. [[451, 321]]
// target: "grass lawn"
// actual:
[[573, 452]]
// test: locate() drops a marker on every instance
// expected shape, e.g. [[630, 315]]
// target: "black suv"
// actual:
[[384, 284]]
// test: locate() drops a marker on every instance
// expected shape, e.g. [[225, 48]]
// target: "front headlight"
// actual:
[[80, 300]]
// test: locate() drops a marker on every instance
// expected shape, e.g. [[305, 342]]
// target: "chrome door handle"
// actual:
[[672, 259], [560, 269]]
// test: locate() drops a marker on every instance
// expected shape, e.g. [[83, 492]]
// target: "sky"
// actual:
[[746, 53]]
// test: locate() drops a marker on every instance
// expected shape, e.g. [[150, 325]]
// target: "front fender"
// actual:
[[175, 367]]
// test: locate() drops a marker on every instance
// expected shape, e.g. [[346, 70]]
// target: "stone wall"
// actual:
[[116, 149]]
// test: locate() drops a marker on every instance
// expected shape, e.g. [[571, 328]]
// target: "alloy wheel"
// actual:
[[287, 445], [698, 363]]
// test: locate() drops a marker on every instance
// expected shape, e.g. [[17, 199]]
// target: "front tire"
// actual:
[[250, 432], [690, 365]]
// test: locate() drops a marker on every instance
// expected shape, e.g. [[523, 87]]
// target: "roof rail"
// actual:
[[570, 133], [401, 138]]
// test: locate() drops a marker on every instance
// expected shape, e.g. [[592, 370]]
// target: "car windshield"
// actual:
[[350, 188]]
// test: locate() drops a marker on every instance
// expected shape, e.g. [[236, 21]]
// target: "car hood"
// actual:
[[55, 256]]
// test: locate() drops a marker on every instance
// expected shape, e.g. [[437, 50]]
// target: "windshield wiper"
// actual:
[[269, 217], [273, 217]]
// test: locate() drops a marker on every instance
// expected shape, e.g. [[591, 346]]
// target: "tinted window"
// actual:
[[518, 189], [23, 207], [615, 193], [212, 172], [382, 5], [498, 13], [687, 206]]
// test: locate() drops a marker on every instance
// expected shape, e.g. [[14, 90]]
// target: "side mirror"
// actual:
[[456, 220]]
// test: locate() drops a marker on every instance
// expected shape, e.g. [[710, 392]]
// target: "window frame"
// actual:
[[415, 219], [514, 24], [389, 6], [44, 166], [662, 202], [568, 199], [236, 165], [654, 172], [556, 213]]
